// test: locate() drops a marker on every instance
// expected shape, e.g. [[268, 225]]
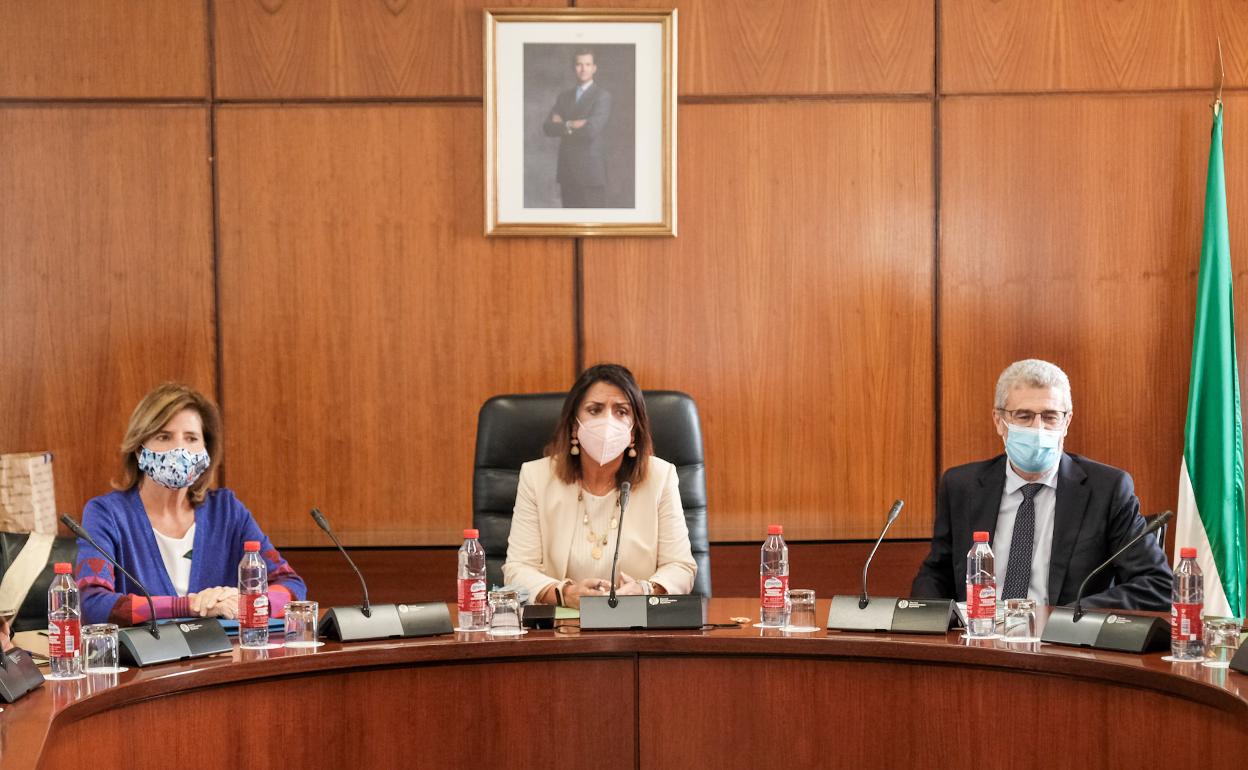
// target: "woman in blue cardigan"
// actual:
[[163, 524]]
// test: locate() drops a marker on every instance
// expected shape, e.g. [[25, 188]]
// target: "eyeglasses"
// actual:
[[1051, 418]]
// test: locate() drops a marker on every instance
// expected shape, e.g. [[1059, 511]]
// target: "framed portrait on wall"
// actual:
[[580, 122]]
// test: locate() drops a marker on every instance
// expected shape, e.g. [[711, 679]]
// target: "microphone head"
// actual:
[[74, 526], [1159, 521], [895, 511], [625, 489], [320, 520]]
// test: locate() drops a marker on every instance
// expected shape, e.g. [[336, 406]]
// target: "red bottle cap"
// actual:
[[1187, 553], [775, 529], [251, 546], [981, 537], [471, 534], [62, 568]]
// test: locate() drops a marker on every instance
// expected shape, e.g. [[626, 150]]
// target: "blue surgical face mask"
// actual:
[[1033, 450], [175, 468]]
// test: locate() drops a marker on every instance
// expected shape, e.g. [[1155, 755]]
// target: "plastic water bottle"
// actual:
[[64, 624], [472, 610], [981, 588], [773, 579], [253, 597], [1188, 602]]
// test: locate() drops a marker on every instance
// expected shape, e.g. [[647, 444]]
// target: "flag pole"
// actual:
[[1217, 95]]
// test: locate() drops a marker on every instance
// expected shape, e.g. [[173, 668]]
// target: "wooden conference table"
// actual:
[[721, 698]]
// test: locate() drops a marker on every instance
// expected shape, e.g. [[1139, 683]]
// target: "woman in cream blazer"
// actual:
[[567, 517]]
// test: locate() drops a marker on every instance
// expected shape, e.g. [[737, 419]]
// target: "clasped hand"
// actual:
[[627, 586], [217, 602], [572, 124]]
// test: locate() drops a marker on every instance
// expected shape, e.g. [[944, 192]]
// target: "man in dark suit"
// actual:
[[579, 118], [1052, 517]]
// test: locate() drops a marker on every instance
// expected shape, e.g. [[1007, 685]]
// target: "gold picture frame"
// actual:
[[610, 171]]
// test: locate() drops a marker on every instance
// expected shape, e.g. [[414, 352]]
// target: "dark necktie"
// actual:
[[1022, 543]]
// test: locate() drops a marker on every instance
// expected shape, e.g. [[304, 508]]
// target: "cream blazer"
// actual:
[[655, 540]]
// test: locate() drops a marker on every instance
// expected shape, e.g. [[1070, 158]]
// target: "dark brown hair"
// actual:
[[568, 465], [151, 415]]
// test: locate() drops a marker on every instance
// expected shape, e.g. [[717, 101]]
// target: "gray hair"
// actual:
[[1031, 373]]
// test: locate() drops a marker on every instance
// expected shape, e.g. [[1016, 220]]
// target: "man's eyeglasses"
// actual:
[[1050, 418]]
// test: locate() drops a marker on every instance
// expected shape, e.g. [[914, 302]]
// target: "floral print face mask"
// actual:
[[174, 469]]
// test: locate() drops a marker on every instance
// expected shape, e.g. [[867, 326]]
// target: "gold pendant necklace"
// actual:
[[599, 541]]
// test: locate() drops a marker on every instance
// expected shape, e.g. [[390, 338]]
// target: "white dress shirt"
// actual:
[[1046, 508]]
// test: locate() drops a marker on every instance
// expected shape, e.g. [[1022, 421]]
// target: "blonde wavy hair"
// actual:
[[150, 417]]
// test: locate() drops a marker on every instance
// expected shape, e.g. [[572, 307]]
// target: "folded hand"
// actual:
[[216, 602], [629, 586]]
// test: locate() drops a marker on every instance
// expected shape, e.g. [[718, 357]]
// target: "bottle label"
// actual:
[[64, 637], [981, 601], [772, 590], [253, 610], [471, 595], [1185, 622]]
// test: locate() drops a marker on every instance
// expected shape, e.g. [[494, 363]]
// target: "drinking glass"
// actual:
[[1221, 640], [99, 649], [301, 624], [1020, 621], [801, 603], [504, 613]]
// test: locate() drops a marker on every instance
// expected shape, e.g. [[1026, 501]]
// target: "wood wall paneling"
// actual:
[[365, 319], [1070, 231], [427, 574], [106, 288], [795, 307], [270, 49], [736, 47], [1101, 45], [145, 49]]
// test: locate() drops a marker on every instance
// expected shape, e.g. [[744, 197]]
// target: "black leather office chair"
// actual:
[[33, 614], [511, 430]]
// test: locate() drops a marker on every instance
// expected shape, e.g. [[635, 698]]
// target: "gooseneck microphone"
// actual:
[[321, 522], [77, 529], [893, 513], [1156, 524], [625, 489]]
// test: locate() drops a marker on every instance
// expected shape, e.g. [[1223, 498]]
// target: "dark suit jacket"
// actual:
[[582, 158], [1096, 514]]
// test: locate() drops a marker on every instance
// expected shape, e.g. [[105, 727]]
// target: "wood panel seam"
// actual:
[[578, 306], [937, 459], [1141, 93], [210, 16]]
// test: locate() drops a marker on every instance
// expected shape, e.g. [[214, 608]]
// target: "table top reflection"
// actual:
[[24, 725]]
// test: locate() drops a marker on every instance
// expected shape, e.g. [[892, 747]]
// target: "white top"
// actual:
[[1042, 545], [175, 553], [581, 559]]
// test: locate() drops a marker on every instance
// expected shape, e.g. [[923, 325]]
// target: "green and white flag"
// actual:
[[1211, 484]]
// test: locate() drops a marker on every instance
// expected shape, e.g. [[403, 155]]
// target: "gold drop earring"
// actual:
[[632, 449], [576, 447]]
